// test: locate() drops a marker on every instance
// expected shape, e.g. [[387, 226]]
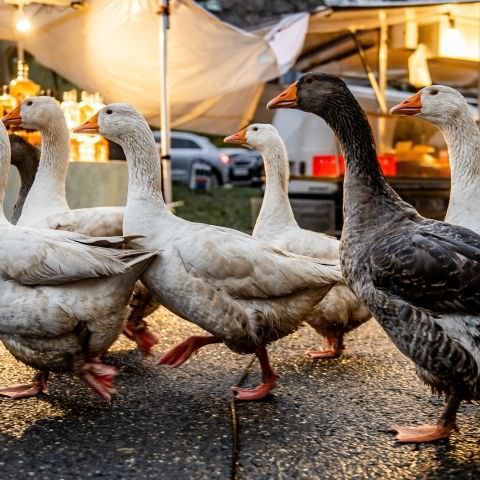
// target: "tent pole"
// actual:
[[164, 12], [478, 83], [370, 75], [382, 78]]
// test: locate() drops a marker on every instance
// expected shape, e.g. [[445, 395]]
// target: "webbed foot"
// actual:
[[181, 352], [422, 433], [99, 377], [38, 385]]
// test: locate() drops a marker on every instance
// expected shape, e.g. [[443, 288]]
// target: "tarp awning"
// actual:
[[216, 70]]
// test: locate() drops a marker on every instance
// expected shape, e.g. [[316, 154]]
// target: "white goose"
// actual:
[[340, 311], [63, 300], [446, 108], [46, 206], [241, 290]]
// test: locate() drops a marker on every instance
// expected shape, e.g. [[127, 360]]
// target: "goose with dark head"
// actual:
[[420, 278]]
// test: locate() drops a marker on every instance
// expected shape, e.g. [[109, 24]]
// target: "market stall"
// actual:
[[119, 49], [217, 72], [384, 54]]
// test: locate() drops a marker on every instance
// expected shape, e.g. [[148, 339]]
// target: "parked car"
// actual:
[[189, 149], [246, 166]]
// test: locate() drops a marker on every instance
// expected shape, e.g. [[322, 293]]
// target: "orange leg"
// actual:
[[269, 379], [38, 385], [431, 433], [335, 349], [98, 376], [136, 328], [181, 352]]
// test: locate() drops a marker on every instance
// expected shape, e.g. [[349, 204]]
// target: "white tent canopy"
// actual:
[[216, 71]]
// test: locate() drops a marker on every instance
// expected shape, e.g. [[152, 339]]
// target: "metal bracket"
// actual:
[[164, 9]]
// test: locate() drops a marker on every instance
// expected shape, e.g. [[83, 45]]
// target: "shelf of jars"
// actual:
[[83, 148], [93, 179]]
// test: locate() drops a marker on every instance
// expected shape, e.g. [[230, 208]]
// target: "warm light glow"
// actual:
[[418, 71], [458, 39], [23, 24], [452, 43]]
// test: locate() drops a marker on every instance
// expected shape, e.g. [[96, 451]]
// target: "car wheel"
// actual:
[[215, 180]]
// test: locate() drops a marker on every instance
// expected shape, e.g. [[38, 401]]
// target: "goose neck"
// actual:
[[55, 152], [26, 181], [368, 199], [54, 157], [144, 167], [276, 211], [4, 170], [463, 142]]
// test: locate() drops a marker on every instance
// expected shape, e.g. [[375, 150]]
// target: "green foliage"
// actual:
[[228, 207]]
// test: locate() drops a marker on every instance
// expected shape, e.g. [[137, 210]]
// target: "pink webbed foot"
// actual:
[[256, 393], [323, 353], [334, 350], [269, 380], [38, 385], [99, 377], [181, 352], [422, 433], [139, 332]]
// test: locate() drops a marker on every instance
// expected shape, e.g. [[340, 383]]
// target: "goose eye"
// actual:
[[433, 92], [255, 129], [109, 111], [309, 80], [29, 103]]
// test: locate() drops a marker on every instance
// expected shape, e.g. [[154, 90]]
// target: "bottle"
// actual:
[[71, 111], [7, 101], [101, 145], [22, 87], [70, 108], [85, 106]]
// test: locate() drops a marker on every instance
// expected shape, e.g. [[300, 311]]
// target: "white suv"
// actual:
[[189, 148]]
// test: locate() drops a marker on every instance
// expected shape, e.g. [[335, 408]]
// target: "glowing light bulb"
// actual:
[[23, 24], [452, 43]]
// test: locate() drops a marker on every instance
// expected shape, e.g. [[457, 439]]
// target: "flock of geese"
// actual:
[[72, 280]]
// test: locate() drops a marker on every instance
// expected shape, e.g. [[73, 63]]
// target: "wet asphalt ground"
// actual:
[[327, 420]]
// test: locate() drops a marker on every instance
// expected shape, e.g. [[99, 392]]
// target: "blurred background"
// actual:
[[199, 71]]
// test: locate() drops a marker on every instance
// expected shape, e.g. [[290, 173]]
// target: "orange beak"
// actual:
[[90, 126], [239, 137], [13, 117], [411, 106], [286, 99]]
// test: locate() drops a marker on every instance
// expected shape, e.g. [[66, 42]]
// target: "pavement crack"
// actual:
[[234, 423]]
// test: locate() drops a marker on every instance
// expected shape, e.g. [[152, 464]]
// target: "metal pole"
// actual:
[[20, 51], [370, 75], [478, 79], [164, 12], [382, 78]]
